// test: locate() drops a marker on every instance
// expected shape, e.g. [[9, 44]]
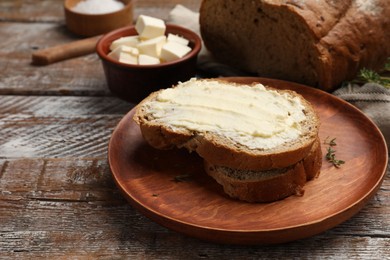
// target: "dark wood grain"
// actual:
[[36, 126], [59, 201]]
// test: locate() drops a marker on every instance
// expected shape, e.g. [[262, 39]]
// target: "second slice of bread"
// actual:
[[270, 185]]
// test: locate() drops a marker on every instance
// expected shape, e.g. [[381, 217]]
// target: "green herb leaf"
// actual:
[[331, 157], [369, 76], [332, 142], [331, 153]]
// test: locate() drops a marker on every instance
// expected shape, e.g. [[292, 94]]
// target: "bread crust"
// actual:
[[219, 151], [317, 43], [270, 188], [313, 162]]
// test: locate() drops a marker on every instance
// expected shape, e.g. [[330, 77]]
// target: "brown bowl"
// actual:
[[135, 82], [95, 24]]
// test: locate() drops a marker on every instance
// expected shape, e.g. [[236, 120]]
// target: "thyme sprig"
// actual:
[[369, 76], [331, 157], [331, 153], [332, 142]]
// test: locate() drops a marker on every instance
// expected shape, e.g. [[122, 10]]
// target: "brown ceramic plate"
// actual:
[[171, 188]]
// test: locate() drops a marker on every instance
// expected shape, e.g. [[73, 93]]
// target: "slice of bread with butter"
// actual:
[[239, 126]]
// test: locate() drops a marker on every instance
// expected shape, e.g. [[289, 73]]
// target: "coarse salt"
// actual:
[[98, 6]]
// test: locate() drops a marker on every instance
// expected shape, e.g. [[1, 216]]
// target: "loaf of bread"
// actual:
[[320, 43], [260, 134]]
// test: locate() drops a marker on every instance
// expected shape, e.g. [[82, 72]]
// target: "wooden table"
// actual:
[[57, 196]]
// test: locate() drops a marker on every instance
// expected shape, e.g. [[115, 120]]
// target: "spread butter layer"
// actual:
[[250, 115]]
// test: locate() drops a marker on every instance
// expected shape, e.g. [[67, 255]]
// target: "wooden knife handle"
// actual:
[[65, 51]]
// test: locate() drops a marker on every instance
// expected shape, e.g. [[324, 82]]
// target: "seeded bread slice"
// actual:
[[271, 185], [219, 150]]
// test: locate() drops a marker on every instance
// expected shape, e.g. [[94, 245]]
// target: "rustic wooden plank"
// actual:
[[71, 77], [159, 245], [36, 126], [38, 11], [54, 106], [79, 76], [71, 207], [56, 137], [52, 10]]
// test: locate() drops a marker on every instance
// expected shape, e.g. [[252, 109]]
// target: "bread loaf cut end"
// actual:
[[318, 43]]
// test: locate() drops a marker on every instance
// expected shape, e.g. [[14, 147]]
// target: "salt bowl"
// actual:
[[95, 17]]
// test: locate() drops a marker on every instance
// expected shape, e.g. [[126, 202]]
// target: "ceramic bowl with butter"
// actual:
[[134, 82], [95, 21]]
